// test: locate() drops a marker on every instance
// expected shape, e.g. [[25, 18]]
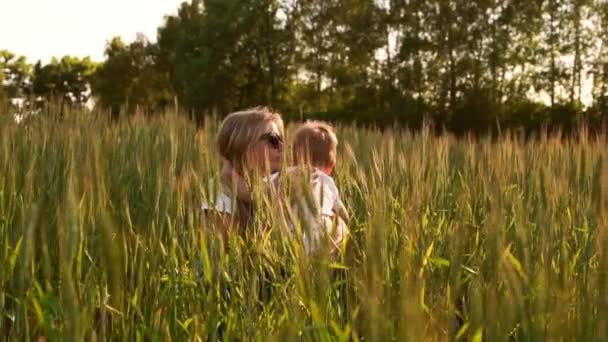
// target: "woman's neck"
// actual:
[[233, 180]]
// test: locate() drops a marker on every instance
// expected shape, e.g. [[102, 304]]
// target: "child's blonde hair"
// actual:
[[315, 142]]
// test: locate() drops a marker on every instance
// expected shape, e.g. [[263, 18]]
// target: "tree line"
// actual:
[[466, 65]]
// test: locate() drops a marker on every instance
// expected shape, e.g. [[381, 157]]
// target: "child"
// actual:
[[314, 152]]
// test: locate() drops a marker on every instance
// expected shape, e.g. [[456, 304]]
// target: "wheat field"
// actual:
[[102, 238]]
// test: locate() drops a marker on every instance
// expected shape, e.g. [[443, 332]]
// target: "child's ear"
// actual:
[[330, 167]]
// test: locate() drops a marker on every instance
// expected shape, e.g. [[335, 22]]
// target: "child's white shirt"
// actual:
[[326, 198]]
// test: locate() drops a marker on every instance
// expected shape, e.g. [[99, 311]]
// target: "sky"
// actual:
[[42, 29]]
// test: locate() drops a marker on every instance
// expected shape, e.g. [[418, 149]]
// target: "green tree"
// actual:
[[579, 40], [227, 54], [552, 70], [15, 75], [597, 114], [66, 80], [131, 77], [356, 70], [467, 64], [413, 65], [599, 63], [338, 41]]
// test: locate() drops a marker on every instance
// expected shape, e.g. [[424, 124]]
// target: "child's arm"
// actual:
[[338, 234], [341, 212]]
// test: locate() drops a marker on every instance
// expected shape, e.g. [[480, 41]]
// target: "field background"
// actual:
[[101, 237]]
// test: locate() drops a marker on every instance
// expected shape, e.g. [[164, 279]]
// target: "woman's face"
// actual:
[[268, 148]]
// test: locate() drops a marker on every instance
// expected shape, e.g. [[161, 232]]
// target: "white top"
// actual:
[[222, 204], [330, 208], [324, 190], [223, 201], [325, 196]]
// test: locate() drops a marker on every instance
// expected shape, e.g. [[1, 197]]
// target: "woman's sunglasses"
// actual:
[[273, 138]]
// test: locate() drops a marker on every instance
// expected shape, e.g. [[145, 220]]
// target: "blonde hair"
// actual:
[[318, 141], [241, 130]]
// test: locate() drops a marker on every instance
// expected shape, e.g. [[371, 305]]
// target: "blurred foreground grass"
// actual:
[[101, 236]]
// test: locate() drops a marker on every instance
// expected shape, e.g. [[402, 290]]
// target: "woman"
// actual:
[[250, 143]]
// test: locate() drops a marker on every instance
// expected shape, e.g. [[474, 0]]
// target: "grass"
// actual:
[[101, 237]]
